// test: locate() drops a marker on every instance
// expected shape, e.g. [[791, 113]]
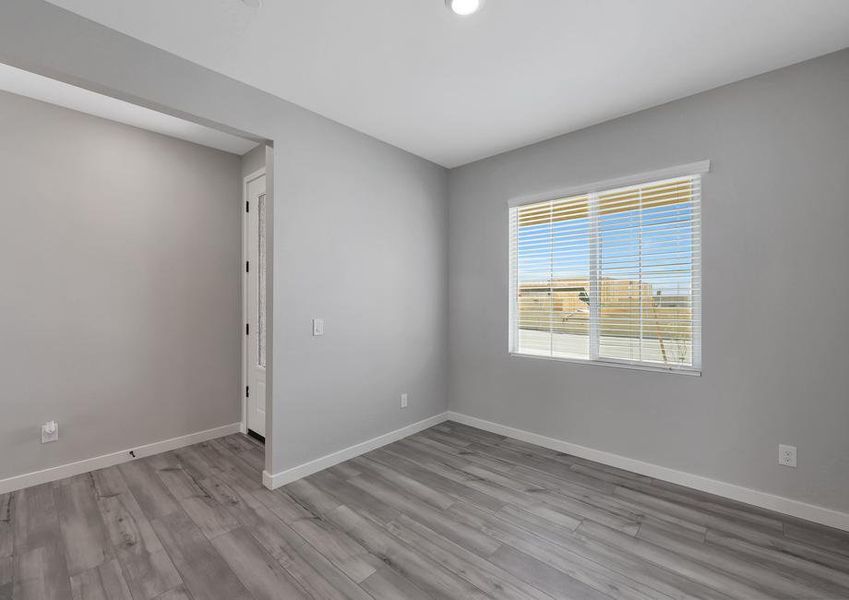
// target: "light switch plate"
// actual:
[[404, 400], [318, 327], [47, 435]]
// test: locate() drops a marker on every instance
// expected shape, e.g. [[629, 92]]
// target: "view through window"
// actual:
[[611, 276]]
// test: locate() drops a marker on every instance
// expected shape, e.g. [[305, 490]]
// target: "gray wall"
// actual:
[[776, 283], [120, 307], [253, 161], [359, 227]]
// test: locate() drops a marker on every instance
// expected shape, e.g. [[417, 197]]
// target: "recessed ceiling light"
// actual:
[[464, 8]]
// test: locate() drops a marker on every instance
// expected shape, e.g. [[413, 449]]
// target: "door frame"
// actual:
[[244, 279]]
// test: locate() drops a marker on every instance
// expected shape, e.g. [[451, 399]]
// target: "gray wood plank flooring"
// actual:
[[451, 512]]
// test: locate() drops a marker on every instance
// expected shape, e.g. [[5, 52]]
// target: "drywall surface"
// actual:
[[775, 284], [120, 306], [253, 161], [359, 234]]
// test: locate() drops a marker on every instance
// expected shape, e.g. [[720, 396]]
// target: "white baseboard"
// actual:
[[794, 508], [107, 460], [277, 480]]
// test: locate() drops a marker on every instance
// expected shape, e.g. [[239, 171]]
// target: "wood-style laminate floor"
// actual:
[[452, 512]]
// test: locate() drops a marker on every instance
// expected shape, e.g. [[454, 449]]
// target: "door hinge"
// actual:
[[247, 391], [247, 266], [247, 328], [247, 206]]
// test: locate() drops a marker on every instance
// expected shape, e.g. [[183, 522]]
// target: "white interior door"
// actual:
[[256, 313]]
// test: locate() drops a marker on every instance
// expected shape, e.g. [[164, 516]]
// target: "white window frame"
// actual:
[[691, 169]]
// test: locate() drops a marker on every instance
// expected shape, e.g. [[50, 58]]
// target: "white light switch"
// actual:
[[404, 400], [49, 432], [318, 326]]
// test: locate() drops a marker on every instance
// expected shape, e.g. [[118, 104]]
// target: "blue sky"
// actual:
[[665, 240]]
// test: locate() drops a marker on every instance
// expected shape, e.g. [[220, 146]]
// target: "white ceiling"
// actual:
[[62, 94], [454, 89]]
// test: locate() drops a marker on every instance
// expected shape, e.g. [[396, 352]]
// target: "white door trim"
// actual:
[[245, 254]]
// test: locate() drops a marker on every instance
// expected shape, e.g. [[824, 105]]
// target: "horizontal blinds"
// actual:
[[612, 275]]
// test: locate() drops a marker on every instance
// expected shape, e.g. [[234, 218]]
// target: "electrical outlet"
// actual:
[[787, 455], [404, 400], [49, 432]]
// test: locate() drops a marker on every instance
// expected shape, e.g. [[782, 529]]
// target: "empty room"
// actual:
[[409, 299]]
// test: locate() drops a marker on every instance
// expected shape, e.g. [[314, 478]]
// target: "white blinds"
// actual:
[[612, 275]]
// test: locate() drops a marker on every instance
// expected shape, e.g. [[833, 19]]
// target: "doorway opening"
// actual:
[[154, 195]]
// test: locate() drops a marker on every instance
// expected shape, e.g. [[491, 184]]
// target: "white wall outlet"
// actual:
[[787, 455], [318, 327], [404, 400], [49, 432]]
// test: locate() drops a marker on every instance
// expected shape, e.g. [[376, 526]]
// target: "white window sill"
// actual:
[[692, 372]]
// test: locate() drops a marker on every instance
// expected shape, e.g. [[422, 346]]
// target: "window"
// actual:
[[611, 275]]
